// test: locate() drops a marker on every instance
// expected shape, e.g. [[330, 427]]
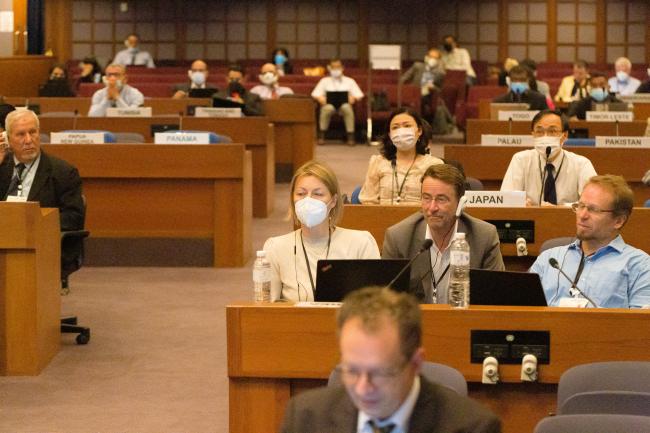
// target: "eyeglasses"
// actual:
[[578, 206], [376, 377], [439, 199], [551, 132]]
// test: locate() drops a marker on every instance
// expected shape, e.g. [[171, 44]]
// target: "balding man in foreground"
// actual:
[[198, 79]]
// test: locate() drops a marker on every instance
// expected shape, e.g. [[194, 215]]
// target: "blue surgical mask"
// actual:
[[598, 93], [622, 76], [280, 59], [197, 77], [518, 87]]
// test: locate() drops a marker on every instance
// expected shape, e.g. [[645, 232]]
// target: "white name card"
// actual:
[[642, 98], [496, 198], [182, 138], [605, 141], [77, 137], [507, 140], [128, 112], [217, 112], [517, 115], [610, 116]]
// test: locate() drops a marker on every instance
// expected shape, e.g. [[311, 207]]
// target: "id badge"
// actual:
[[16, 199], [573, 302]]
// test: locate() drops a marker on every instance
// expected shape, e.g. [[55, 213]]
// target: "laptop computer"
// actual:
[[337, 278], [505, 288], [495, 107], [55, 89], [202, 93], [337, 98], [226, 103]]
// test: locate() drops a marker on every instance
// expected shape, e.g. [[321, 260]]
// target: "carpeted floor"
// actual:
[[157, 357]]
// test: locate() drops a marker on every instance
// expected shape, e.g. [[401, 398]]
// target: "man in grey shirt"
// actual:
[[116, 93]]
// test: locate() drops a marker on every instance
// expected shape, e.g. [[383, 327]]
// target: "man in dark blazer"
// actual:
[[380, 333], [198, 79], [442, 187], [43, 178], [520, 91]]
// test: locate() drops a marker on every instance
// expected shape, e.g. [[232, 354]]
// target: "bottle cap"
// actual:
[[261, 253], [459, 235]]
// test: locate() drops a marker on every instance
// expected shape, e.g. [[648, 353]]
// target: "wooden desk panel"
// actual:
[[21, 75], [295, 132], [550, 222], [489, 164], [181, 192], [30, 284], [304, 348], [255, 132], [477, 127]]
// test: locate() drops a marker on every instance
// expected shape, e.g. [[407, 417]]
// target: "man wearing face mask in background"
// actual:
[[270, 89], [457, 59], [443, 185], [198, 75], [235, 91], [623, 84], [520, 90], [598, 94], [428, 74], [132, 55], [336, 82], [116, 93], [549, 174]]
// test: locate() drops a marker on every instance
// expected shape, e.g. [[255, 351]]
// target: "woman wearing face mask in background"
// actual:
[[280, 58], [394, 176], [549, 174], [316, 206]]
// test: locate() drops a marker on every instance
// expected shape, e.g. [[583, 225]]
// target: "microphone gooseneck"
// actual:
[[548, 152], [556, 265], [425, 247]]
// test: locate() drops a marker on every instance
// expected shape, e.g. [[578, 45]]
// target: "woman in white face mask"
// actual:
[[394, 176], [316, 207]]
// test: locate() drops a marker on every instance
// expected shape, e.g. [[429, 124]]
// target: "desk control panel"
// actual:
[[510, 230], [509, 347]]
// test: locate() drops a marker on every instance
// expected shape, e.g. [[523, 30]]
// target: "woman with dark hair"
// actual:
[[280, 58], [394, 176], [91, 72]]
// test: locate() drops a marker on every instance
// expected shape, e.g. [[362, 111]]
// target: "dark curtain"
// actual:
[[35, 27]]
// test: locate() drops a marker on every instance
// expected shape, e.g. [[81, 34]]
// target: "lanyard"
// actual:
[[23, 177], [396, 181], [581, 267], [304, 250]]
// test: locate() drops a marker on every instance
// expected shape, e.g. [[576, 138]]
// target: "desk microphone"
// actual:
[[555, 264], [425, 247]]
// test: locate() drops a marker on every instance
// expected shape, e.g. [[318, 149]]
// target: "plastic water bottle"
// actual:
[[262, 278], [459, 272]]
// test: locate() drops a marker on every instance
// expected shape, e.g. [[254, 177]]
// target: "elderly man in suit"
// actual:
[[443, 185], [28, 174], [380, 333]]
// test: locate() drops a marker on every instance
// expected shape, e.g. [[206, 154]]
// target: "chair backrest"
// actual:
[[354, 198], [473, 184], [556, 242], [594, 424], [612, 402], [129, 137], [632, 376], [434, 372]]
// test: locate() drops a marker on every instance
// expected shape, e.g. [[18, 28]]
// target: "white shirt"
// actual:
[[129, 97], [526, 171], [440, 263], [458, 60], [623, 88], [266, 92], [27, 178], [400, 418], [142, 58], [290, 279], [341, 84]]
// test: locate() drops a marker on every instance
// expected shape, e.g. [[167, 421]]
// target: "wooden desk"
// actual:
[[139, 192], [295, 130], [477, 127], [277, 350], [550, 222], [30, 288], [255, 132], [21, 75], [489, 164]]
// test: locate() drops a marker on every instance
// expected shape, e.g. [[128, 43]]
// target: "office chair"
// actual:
[[434, 372], [556, 242], [608, 402], [72, 242], [600, 423]]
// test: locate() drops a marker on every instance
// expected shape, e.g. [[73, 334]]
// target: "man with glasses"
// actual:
[[442, 187], [380, 333], [549, 174], [116, 93], [602, 270]]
